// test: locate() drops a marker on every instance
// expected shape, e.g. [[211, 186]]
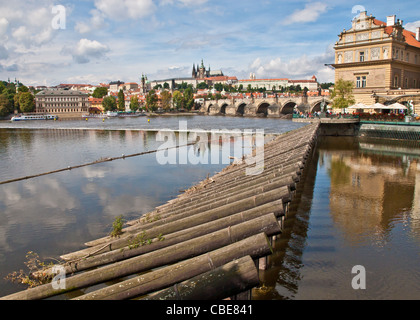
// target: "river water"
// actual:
[[359, 204]]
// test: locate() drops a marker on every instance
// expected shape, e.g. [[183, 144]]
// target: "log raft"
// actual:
[[208, 243]]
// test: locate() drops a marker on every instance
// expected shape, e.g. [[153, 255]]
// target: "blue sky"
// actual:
[[107, 40]]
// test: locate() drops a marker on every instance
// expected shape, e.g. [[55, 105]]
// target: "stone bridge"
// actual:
[[269, 107]]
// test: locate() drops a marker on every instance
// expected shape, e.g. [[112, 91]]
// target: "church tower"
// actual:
[[202, 70], [194, 72]]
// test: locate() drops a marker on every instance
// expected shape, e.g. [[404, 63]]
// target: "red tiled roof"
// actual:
[[410, 37], [248, 80], [221, 78], [302, 81]]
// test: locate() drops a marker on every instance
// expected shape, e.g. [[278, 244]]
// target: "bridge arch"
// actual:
[[262, 108], [213, 108], [288, 107], [241, 109], [316, 105], [223, 108]]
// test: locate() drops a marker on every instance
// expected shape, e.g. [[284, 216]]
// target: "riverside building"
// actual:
[[382, 59], [62, 102]]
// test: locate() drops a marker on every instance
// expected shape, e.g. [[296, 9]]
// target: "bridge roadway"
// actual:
[[208, 243], [271, 107]]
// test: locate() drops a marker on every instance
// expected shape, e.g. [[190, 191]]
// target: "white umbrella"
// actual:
[[397, 106], [378, 106], [358, 106]]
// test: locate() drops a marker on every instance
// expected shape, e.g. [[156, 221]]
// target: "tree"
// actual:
[[151, 100], [188, 98], [9, 92], [342, 94], [166, 85], [22, 89], [134, 103], [121, 101], [218, 86], [178, 100], [326, 85], [4, 105], [100, 92], [26, 102], [165, 98], [109, 103], [202, 85]]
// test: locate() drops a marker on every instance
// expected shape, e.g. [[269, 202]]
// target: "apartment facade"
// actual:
[[382, 59], [62, 102]]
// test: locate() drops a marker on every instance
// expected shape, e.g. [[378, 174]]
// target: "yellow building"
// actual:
[[382, 59]]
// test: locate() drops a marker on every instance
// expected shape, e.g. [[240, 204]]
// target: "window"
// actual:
[[361, 82], [406, 82], [361, 56], [414, 83], [415, 59], [396, 81], [407, 57]]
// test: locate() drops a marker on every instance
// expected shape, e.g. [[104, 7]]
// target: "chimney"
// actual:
[[390, 20], [418, 33]]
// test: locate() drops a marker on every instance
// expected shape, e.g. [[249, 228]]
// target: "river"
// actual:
[[358, 205]]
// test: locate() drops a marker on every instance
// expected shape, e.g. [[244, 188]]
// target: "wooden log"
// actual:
[[184, 220], [182, 224], [230, 279], [256, 246], [150, 260], [207, 196], [212, 202], [262, 217], [223, 175]]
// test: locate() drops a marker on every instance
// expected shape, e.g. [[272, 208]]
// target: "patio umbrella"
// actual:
[[397, 106], [358, 106], [378, 106]]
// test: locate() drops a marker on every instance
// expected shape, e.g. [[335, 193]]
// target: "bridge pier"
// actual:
[[273, 111]]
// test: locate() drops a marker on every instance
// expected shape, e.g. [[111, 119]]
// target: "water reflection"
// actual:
[[57, 213], [372, 188], [359, 206]]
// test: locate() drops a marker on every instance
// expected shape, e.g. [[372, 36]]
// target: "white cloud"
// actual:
[[298, 68], [86, 50], [188, 3], [412, 26], [310, 13], [4, 24], [126, 9], [97, 21]]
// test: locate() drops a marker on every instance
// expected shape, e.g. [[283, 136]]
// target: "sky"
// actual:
[[48, 42]]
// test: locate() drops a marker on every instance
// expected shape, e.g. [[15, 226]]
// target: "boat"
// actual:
[[26, 117], [111, 114], [92, 115]]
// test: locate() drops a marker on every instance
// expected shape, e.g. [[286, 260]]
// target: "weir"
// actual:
[[208, 243]]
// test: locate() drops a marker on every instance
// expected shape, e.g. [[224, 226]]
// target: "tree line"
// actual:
[[12, 99]]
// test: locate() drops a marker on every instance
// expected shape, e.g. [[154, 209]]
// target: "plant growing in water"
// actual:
[[117, 226], [36, 276]]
